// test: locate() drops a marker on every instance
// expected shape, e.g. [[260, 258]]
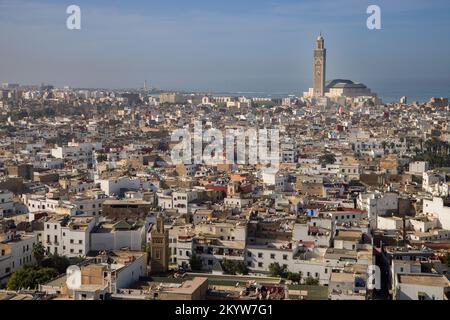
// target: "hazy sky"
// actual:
[[230, 45]]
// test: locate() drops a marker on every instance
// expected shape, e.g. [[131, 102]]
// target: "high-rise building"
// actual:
[[320, 54]]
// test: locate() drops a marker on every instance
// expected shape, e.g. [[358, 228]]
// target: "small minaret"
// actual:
[[159, 247]]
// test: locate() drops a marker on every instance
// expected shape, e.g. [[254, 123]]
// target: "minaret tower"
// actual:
[[320, 54]]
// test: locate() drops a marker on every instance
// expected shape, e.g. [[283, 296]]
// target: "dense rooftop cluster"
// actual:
[[87, 178]]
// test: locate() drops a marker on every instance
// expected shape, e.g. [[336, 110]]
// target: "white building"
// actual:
[[436, 208], [311, 264], [114, 185], [424, 286], [182, 198], [377, 204], [431, 182], [6, 203], [118, 235], [275, 178], [69, 236], [418, 167], [74, 151], [15, 252]]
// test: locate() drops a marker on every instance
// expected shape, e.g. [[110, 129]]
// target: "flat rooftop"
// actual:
[[188, 287], [424, 279]]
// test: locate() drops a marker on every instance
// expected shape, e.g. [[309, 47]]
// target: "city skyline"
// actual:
[[260, 47], [216, 159]]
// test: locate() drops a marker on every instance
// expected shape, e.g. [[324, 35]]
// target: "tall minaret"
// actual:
[[320, 54]]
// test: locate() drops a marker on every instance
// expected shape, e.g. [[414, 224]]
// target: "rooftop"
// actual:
[[424, 279]]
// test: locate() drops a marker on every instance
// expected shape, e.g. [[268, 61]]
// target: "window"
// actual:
[[56, 227], [249, 254], [260, 255], [80, 241], [272, 256], [285, 256], [260, 264]]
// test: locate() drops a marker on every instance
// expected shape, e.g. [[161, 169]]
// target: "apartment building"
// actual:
[[16, 250], [65, 235]]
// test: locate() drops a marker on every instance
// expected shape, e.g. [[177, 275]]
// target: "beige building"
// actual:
[[194, 289]]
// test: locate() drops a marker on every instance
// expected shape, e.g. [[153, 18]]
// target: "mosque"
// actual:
[[338, 90]]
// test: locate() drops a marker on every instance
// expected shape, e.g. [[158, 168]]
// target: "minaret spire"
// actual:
[[319, 67]]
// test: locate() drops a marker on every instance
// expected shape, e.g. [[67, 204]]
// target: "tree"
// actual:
[[39, 252], [234, 267], [195, 262], [311, 281], [30, 277], [242, 268], [55, 261], [276, 270], [436, 152], [294, 276], [446, 259], [327, 158]]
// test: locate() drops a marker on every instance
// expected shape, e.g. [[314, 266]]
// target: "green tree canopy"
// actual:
[[57, 262], [195, 262], [234, 267], [276, 270], [327, 158], [39, 252], [294, 276], [30, 277]]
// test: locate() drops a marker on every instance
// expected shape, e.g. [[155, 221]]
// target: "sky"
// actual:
[[226, 45]]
